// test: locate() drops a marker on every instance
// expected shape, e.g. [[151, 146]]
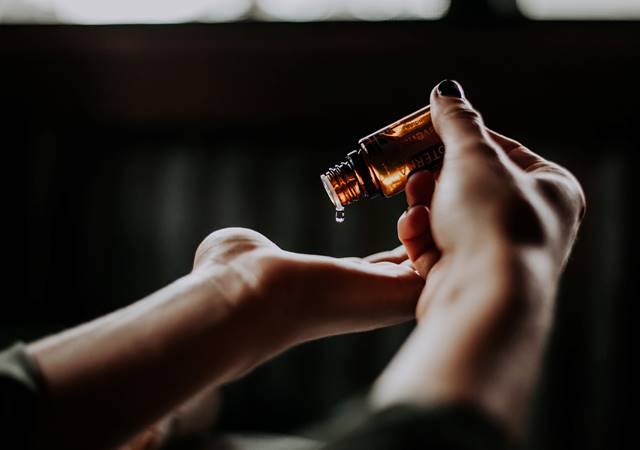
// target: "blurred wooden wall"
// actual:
[[125, 145]]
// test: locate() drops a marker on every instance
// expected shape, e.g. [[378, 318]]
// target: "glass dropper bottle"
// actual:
[[384, 160]]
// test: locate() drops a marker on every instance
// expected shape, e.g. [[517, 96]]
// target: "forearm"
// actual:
[[110, 378], [481, 338]]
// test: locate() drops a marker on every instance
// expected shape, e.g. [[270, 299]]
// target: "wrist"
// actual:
[[501, 273], [491, 311], [244, 290]]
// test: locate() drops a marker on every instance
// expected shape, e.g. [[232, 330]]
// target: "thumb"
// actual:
[[458, 124]]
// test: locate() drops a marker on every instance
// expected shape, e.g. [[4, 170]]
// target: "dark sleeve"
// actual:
[[20, 387], [450, 427]]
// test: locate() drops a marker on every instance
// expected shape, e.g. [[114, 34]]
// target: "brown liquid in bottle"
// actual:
[[385, 160]]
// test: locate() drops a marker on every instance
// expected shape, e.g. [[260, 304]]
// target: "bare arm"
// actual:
[[245, 301], [111, 377]]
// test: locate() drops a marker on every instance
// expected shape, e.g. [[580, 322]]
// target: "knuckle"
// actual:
[[465, 113], [237, 234], [230, 242], [563, 191]]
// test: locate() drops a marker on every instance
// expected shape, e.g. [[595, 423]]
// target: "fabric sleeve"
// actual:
[[20, 389], [447, 427]]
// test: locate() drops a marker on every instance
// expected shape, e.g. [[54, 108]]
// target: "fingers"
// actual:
[[559, 186], [420, 187], [352, 297], [465, 138], [459, 125], [503, 141], [518, 153], [397, 255], [530, 162], [557, 183], [414, 227], [414, 231], [384, 293]]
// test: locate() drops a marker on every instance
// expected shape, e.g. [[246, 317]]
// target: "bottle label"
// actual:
[[401, 148], [430, 159]]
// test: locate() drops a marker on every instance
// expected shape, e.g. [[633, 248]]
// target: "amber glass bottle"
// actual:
[[385, 160]]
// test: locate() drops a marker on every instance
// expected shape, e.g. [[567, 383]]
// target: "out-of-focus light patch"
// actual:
[[427, 9], [176, 11], [27, 11], [147, 11], [396, 9], [581, 9], [375, 10], [297, 10], [225, 10]]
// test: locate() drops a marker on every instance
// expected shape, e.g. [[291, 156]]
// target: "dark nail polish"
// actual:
[[450, 88]]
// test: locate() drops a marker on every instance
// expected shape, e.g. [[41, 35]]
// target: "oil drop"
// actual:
[[331, 192]]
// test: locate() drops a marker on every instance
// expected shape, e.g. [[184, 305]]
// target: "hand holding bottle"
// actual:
[[490, 234]]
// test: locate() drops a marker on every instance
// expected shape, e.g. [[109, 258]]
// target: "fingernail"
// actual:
[[450, 88]]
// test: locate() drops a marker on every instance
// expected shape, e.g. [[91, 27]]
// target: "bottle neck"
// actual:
[[350, 180]]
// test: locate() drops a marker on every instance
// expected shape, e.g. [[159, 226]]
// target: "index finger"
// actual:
[[397, 255], [558, 184], [518, 153], [420, 187]]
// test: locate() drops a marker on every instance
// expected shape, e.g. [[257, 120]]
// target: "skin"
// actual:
[[483, 247], [490, 234], [245, 301]]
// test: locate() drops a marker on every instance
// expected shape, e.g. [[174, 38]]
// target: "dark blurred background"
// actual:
[[125, 145]]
